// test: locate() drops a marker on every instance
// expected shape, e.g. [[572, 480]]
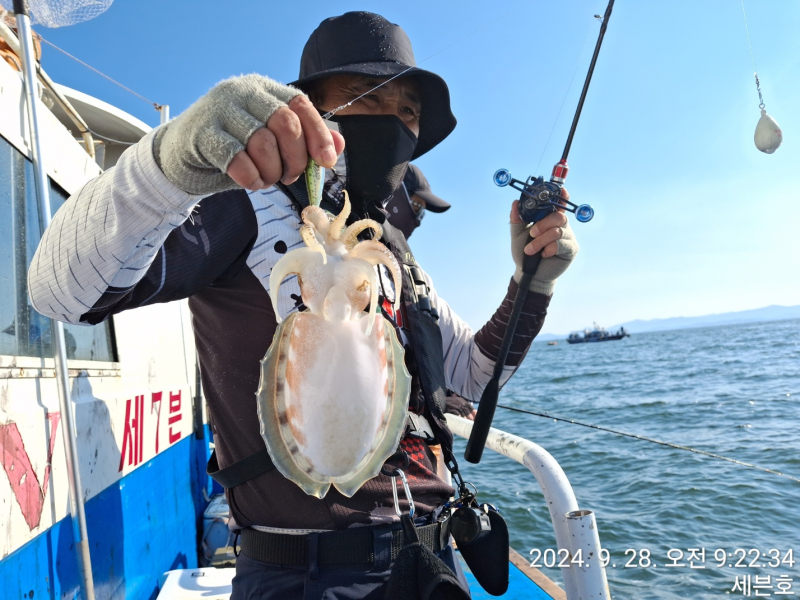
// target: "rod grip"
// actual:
[[483, 422], [530, 263]]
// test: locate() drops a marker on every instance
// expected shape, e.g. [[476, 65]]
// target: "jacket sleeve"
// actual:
[[469, 359], [126, 239]]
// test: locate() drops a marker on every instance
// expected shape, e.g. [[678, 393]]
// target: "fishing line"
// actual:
[[329, 114], [749, 41], [564, 99], [647, 439], [753, 58], [155, 105]]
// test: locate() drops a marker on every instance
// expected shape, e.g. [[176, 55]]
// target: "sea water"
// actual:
[[729, 390]]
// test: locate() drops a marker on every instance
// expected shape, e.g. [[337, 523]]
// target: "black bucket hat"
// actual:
[[363, 43]]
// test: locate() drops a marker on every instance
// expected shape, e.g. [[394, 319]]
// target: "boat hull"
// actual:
[[607, 338]]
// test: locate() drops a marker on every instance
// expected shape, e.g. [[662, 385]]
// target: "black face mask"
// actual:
[[377, 151]]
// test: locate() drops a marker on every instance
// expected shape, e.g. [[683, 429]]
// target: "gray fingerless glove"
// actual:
[[195, 149], [550, 268]]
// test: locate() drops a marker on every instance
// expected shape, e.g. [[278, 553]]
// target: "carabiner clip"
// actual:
[[399, 473]]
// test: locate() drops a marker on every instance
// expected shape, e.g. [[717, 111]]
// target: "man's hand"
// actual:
[[456, 405], [553, 236], [248, 131]]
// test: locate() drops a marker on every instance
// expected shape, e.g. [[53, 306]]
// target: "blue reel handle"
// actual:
[[584, 213], [502, 177]]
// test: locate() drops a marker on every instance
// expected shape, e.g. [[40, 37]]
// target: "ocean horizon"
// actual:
[[728, 390]]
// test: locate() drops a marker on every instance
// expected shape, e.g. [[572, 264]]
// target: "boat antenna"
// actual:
[[651, 440], [538, 199]]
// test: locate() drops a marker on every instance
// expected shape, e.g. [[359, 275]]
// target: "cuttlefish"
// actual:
[[333, 396]]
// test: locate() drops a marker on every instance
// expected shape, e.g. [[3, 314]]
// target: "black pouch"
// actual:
[[418, 574], [487, 554]]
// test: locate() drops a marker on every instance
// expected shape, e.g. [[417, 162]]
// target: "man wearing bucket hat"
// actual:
[[231, 162]]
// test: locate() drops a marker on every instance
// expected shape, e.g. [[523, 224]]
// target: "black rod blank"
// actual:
[[577, 116], [491, 393]]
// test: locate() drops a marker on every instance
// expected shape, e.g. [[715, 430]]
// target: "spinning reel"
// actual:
[[538, 198]]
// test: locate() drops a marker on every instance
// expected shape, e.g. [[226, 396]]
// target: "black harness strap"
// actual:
[[240, 471], [423, 329]]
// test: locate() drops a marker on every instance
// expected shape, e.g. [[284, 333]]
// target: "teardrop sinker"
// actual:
[[768, 135]]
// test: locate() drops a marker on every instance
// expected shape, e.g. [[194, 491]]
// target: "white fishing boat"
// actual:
[[140, 441], [597, 334]]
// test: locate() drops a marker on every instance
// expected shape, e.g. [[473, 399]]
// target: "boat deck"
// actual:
[[524, 582]]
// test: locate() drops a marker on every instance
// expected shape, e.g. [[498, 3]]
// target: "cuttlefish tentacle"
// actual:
[[308, 233], [350, 235], [318, 218], [373, 299], [376, 253], [291, 263], [338, 224]]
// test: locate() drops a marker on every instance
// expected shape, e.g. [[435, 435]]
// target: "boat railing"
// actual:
[[575, 529]]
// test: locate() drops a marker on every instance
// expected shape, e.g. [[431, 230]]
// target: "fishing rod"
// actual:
[[651, 440], [538, 198]]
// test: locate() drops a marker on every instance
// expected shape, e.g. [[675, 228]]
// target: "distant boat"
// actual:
[[598, 334], [552, 343]]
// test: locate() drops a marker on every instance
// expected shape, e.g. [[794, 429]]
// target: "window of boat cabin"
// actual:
[[23, 331]]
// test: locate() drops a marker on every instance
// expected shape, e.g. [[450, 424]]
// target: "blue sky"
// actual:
[[690, 218]]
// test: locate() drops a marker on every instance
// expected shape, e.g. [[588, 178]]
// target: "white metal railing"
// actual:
[[575, 529]]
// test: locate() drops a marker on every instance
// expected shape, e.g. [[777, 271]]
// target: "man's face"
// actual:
[[399, 97]]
